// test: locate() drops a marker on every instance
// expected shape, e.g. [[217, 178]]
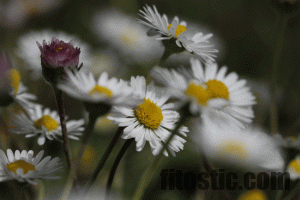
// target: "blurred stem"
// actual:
[[115, 165], [105, 156], [61, 112], [293, 192], [167, 53], [274, 72], [148, 174]]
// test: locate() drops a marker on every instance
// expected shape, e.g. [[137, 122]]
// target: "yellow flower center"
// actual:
[[234, 149], [295, 165], [15, 79], [209, 90], [101, 90], [48, 122], [253, 195], [179, 29], [20, 164], [149, 114]]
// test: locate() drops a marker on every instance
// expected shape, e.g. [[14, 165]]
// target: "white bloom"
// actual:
[[294, 168], [150, 120], [31, 54], [85, 87], [22, 166], [177, 31], [249, 148], [210, 91], [129, 37], [44, 123]]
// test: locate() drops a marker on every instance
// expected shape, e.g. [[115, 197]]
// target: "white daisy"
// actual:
[[152, 120], [249, 148], [210, 91], [288, 142], [44, 123], [85, 87], [23, 167], [31, 54], [294, 168], [177, 31], [122, 32]]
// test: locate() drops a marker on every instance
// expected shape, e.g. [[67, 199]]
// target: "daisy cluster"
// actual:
[[153, 111]]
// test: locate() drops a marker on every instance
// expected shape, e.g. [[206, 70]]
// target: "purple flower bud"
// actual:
[[56, 57], [5, 87]]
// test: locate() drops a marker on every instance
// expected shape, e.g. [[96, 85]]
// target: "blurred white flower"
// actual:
[[129, 37], [28, 50], [294, 168]]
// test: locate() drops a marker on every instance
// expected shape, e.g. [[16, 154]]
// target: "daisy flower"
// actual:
[[294, 168], [249, 148], [44, 123], [176, 35], [31, 54], [23, 167], [151, 120], [210, 91]]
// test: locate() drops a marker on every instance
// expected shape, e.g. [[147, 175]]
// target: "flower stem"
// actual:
[[274, 72], [167, 53], [61, 112], [148, 174], [292, 194], [105, 156], [115, 165]]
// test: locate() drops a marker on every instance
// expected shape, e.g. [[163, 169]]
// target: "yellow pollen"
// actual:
[[253, 195], [101, 90], [20, 164], [233, 149], [198, 92], [15, 79], [179, 29], [217, 89], [59, 48], [149, 114], [295, 165], [48, 122]]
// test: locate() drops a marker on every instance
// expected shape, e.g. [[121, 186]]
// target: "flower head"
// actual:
[[176, 37], [151, 120], [23, 167], [294, 168], [56, 57], [44, 123], [210, 91]]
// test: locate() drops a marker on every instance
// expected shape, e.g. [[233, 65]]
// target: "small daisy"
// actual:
[[31, 54], [294, 168], [23, 167], [44, 123], [210, 91], [151, 120], [177, 32], [85, 87]]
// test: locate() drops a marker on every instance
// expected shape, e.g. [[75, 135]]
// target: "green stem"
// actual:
[[148, 174], [293, 192], [164, 57], [61, 112], [115, 166], [274, 73], [105, 156]]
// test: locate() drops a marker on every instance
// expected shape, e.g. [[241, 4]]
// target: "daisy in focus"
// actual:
[[151, 120], [176, 37], [44, 124], [210, 91], [22, 166]]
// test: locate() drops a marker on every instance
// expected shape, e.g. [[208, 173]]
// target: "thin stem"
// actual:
[[164, 57], [274, 73], [293, 192], [105, 156], [148, 174], [61, 112], [115, 165]]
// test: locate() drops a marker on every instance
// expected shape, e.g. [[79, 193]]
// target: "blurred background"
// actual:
[[111, 40]]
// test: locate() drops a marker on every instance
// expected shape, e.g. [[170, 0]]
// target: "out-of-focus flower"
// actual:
[[16, 12], [129, 37], [44, 123], [176, 37], [22, 166], [11, 87], [210, 91], [249, 148], [150, 120], [31, 54], [294, 168], [253, 195]]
